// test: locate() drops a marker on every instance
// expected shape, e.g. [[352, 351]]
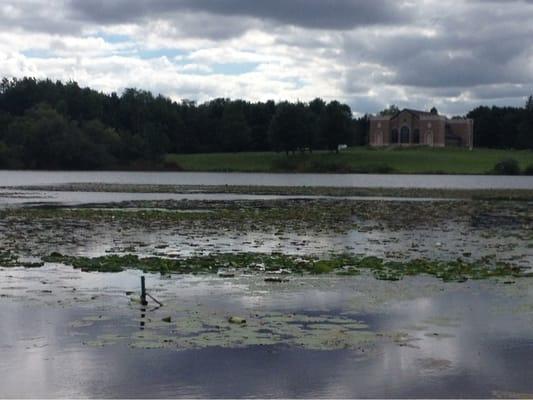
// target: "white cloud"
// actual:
[[451, 54]]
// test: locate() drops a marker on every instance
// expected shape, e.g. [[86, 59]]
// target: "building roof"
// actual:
[[416, 113], [425, 115]]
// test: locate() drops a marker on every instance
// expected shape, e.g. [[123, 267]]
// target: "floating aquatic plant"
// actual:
[[447, 271]]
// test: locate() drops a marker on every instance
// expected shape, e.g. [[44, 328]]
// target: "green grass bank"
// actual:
[[356, 160]]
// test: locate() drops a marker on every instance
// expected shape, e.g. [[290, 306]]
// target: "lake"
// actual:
[[264, 295], [23, 178]]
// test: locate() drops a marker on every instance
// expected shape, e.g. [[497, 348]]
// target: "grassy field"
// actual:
[[357, 159]]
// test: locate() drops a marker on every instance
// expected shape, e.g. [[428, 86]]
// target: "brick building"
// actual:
[[420, 128]]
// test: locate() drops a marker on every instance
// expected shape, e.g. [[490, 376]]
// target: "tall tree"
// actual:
[[390, 110], [284, 128], [234, 128], [337, 126]]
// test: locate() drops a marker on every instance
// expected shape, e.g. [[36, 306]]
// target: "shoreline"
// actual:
[[474, 194], [263, 171]]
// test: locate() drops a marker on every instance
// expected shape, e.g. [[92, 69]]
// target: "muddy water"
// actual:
[[85, 336]]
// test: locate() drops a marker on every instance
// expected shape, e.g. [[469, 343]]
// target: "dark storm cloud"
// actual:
[[447, 63], [441, 70], [502, 91], [322, 14], [475, 46], [36, 16]]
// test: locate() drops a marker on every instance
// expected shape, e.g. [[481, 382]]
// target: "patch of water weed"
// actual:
[[443, 322], [294, 330], [433, 365], [9, 259], [447, 271], [294, 216]]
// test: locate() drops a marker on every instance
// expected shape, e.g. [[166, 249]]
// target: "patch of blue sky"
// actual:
[[114, 38], [158, 53], [299, 83], [38, 53]]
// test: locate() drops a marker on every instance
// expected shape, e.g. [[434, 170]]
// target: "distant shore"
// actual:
[[334, 192], [354, 160], [450, 161]]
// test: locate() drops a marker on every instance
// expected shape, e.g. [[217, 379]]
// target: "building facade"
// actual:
[[420, 128]]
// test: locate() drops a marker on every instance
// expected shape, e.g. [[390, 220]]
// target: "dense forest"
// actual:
[[47, 124], [503, 127]]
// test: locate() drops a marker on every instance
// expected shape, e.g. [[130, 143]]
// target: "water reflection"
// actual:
[[473, 356], [464, 341]]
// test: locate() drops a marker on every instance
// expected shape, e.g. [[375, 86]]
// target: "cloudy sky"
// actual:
[[450, 54]]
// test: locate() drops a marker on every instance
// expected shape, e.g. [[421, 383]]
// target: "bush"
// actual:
[[171, 165], [4, 152], [508, 166], [529, 170], [381, 169], [323, 166], [287, 164], [373, 169], [305, 164]]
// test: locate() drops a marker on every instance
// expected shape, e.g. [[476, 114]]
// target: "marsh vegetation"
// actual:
[[339, 276]]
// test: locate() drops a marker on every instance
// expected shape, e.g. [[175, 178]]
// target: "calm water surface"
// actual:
[[482, 350], [18, 178], [10, 197]]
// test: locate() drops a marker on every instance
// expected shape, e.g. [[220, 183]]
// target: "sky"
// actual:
[[451, 54]]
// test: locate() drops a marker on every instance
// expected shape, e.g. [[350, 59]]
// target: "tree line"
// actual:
[[47, 124], [503, 127]]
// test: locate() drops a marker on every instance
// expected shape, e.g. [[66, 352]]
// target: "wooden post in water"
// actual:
[[143, 292]]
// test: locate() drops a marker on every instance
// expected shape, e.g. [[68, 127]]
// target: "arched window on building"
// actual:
[[394, 136], [404, 134]]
